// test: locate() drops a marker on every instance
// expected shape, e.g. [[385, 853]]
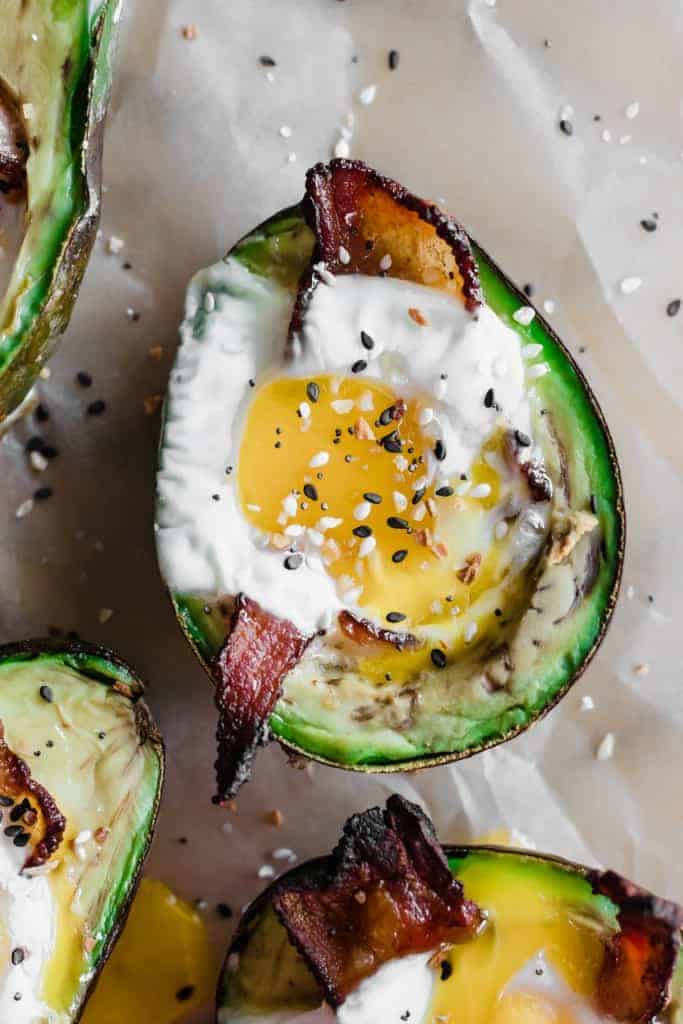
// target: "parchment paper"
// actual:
[[194, 157]]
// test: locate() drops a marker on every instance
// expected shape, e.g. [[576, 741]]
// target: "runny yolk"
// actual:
[[162, 966], [335, 467], [523, 922]]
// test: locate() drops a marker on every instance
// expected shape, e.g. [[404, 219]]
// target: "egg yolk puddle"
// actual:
[[162, 966], [524, 920], [335, 467]]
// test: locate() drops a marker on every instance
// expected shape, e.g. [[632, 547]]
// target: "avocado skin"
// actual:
[[24, 351], [271, 250], [102, 667]]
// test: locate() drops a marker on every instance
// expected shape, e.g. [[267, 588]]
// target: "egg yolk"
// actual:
[[162, 966], [336, 467], [523, 922]]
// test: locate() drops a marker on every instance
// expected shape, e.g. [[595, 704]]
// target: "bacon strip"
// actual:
[[34, 811], [365, 633], [386, 891], [256, 656], [635, 981]]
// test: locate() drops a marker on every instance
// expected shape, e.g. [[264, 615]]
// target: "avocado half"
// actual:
[[261, 947], [55, 80], [279, 252], [74, 714]]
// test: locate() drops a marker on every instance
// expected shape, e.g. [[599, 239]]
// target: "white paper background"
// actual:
[[194, 158]]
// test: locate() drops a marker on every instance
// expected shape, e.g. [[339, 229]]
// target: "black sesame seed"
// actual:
[[395, 617], [101, 735], [224, 910], [528, 290], [46, 693], [43, 493], [399, 556], [42, 414], [13, 830], [489, 399], [278, 444], [311, 492], [293, 561], [374, 499], [185, 993], [313, 391], [22, 839], [446, 970], [96, 408], [17, 956], [391, 442], [497, 612], [594, 504], [444, 492], [438, 658], [252, 382], [84, 379], [34, 444], [49, 743], [267, 62], [359, 366], [647, 224], [523, 440], [418, 495], [386, 416], [394, 58], [367, 341], [215, 497], [673, 307], [361, 531], [566, 126], [396, 523], [49, 451], [440, 450], [6, 801]]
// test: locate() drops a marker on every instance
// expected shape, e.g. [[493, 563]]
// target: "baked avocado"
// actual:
[[358, 936], [389, 508], [81, 769], [55, 78]]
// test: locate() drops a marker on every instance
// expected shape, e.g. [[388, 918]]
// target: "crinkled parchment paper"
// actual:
[[196, 154]]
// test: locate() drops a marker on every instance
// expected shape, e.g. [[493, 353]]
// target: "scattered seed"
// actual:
[[385, 262], [46, 693], [606, 746], [399, 556], [319, 459], [359, 366], [313, 391], [367, 341], [395, 617], [438, 658], [267, 62], [293, 561], [418, 317], [566, 126], [367, 95], [96, 408], [84, 379], [367, 546], [394, 58], [628, 285], [440, 450], [489, 399], [444, 492], [396, 523], [648, 224], [185, 993], [374, 499], [361, 531], [587, 704], [361, 511], [524, 315], [673, 307], [43, 493]]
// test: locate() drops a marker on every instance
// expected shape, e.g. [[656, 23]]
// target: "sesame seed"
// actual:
[[361, 531], [629, 285], [531, 351], [385, 262], [328, 523], [438, 658], [84, 379], [344, 255], [367, 341], [523, 440], [374, 499], [342, 405], [367, 546], [400, 501], [359, 366], [396, 523], [42, 494], [648, 224], [362, 510], [587, 704], [313, 391], [289, 505], [471, 631], [537, 370], [566, 127], [96, 408], [185, 993], [426, 416], [46, 693], [393, 59], [444, 492], [440, 450], [304, 411], [418, 495], [524, 315], [605, 748], [285, 131], [395, 617], [489, 399], [673, 307], [399, 556], [293, 561], [319, 459], [294, 530], [367, 95], [311, 492], [632, 110], [17, 956]]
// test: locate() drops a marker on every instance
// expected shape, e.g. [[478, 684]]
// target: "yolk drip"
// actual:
[[523, 922], [162, 966], [337, 465]]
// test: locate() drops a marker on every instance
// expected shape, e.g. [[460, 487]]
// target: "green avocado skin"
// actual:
[[91, 678], [280, 249], [71, 62]]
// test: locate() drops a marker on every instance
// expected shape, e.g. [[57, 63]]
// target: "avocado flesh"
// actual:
[[59, 72], [104, 769], [577, 450], [534, 899]]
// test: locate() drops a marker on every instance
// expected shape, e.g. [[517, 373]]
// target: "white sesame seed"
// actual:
[[632, 110], [566, 112], [630, 592], [294, 530], [605, 748], [471, 630], [531, 351], [606, 135], [209, 302], [624, 139], [342, 149], [323, 273], [501, 529], [270, 77], [549, 306], [38, 462], [319, 459], [315, 537], [342, 406], [436, 608], [587, 703], [289, 504], [328, 523], [83, 837], [284, 853], [537, 370], [104, 615], [385, 262], [367, 546], [291, 158], [400, 501], [419, 513], [254, 508], [366, 403], [266, 871], [362, 511], [304, 410], [285, 131], [344, 255], [629, 285], [114, 245], [24, 509], [367, 95], [455, 609], [426, 416], [524, 315], [440, 389], [480, 491]]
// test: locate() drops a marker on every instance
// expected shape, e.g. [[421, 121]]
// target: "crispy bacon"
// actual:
[[34, 811], [635, 980], [365, 223], [364, 632], [256, 656], [385, 892], [13, 145]]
